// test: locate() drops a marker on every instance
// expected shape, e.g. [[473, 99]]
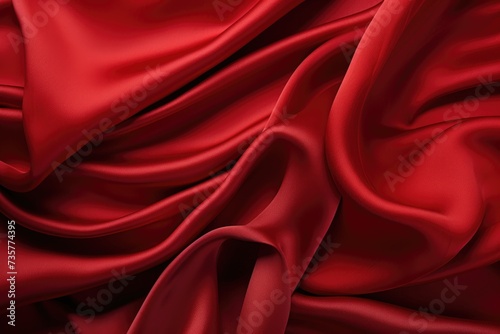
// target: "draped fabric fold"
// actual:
[[246, 166]]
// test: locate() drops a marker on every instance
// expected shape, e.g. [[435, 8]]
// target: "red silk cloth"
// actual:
[[245, 166]]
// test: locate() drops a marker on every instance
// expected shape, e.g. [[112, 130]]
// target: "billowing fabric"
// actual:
[[246, 167]]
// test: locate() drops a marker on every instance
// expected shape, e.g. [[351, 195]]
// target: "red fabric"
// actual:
[[244, 166]]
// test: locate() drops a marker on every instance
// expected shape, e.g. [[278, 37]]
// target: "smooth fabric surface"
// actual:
[[245, 166]]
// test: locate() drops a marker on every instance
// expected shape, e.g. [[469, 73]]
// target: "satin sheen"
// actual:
[[258, 171]]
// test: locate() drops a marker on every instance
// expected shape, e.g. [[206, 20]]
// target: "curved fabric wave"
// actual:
[[245, 166]]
